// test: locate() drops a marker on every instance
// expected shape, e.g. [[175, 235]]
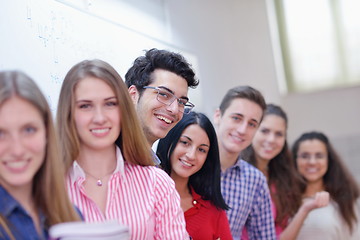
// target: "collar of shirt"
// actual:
[[198, 200], [8, 205], [236, 166], [77, 172], [156, 159]]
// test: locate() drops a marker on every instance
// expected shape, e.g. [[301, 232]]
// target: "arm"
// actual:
[[260, 223], [223, 227], [321, 199]]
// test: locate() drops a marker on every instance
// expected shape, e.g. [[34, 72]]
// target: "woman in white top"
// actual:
[[323, 170]]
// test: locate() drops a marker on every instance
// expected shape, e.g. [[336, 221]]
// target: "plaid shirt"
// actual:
[[245, 190]]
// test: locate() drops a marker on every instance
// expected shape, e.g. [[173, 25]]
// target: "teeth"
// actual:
[[238, 138], [164, 119], [100, 130], [186, 163], [268, 149], [16, 164]]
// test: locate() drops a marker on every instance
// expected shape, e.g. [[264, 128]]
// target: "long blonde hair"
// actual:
[[49, 191], [131, 140]]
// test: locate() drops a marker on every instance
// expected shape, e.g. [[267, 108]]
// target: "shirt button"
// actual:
[[194, 202]]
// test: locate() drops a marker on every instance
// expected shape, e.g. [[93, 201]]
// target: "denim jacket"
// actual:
[[18, 220]]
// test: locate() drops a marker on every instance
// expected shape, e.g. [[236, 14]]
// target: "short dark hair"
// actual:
[[205, 182], [139, 74], [338, 181], [245, 92]]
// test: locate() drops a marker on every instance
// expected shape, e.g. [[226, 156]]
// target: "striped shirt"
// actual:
[[142, 198], [246, 191]]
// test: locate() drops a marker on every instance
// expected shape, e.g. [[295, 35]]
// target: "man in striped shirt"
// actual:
[[244, 188]]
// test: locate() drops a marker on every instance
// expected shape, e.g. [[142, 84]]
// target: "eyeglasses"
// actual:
[[168, 98]]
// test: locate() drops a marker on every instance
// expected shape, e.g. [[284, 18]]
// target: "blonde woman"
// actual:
[[32, 192], [109, 162]]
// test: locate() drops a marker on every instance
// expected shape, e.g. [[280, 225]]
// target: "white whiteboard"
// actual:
[[45, 38]]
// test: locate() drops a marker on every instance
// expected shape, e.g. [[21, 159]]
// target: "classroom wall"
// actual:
[[45, 38], [233, 42]]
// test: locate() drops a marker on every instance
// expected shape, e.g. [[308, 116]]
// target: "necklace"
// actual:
[[98, 180]]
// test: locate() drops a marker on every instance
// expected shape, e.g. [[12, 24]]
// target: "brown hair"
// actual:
[[49, 190], [282, 174], [135, 148], [245, 92], [338, 180]]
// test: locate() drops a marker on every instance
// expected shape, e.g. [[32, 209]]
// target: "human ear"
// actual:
[[217, 117], [134, 94]]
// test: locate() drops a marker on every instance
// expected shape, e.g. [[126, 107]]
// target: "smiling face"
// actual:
[[156, 118], [96, 114], [237, 125], [190, 152], [312, 160], [22, 143], [269, 138]]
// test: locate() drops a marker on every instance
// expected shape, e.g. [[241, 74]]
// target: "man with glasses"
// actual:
[[158, 85]]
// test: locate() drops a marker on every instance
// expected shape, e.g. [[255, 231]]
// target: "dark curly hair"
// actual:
[[139, 74]]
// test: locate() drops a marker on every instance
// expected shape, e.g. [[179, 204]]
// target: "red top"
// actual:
[[205, 221]]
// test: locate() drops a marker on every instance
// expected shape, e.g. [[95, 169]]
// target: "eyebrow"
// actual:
[[169, 90], [106, 99], [192, 140], [242, 115]]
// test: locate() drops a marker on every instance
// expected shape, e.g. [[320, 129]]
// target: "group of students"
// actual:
[[235, 179]]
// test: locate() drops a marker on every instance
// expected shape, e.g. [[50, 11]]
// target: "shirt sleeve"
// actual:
[[224, 227], [260, 223], [169, 217]]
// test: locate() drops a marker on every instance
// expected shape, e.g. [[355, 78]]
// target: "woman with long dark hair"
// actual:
[[190, 155]]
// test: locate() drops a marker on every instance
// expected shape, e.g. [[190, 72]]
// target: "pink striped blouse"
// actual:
[[143, 198]]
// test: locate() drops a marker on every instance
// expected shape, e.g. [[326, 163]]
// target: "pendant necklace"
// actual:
[[98, 180]]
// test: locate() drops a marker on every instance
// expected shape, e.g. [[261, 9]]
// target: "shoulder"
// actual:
[[249, 171], [151, 174], [7, 202]]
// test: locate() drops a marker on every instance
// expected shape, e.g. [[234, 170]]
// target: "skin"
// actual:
[[22, 143], [269, 140], [236, 128], [312, 163], [97, 119], [97, 114], [188, 158], [22, 151], [156, 118], [190, 152]]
